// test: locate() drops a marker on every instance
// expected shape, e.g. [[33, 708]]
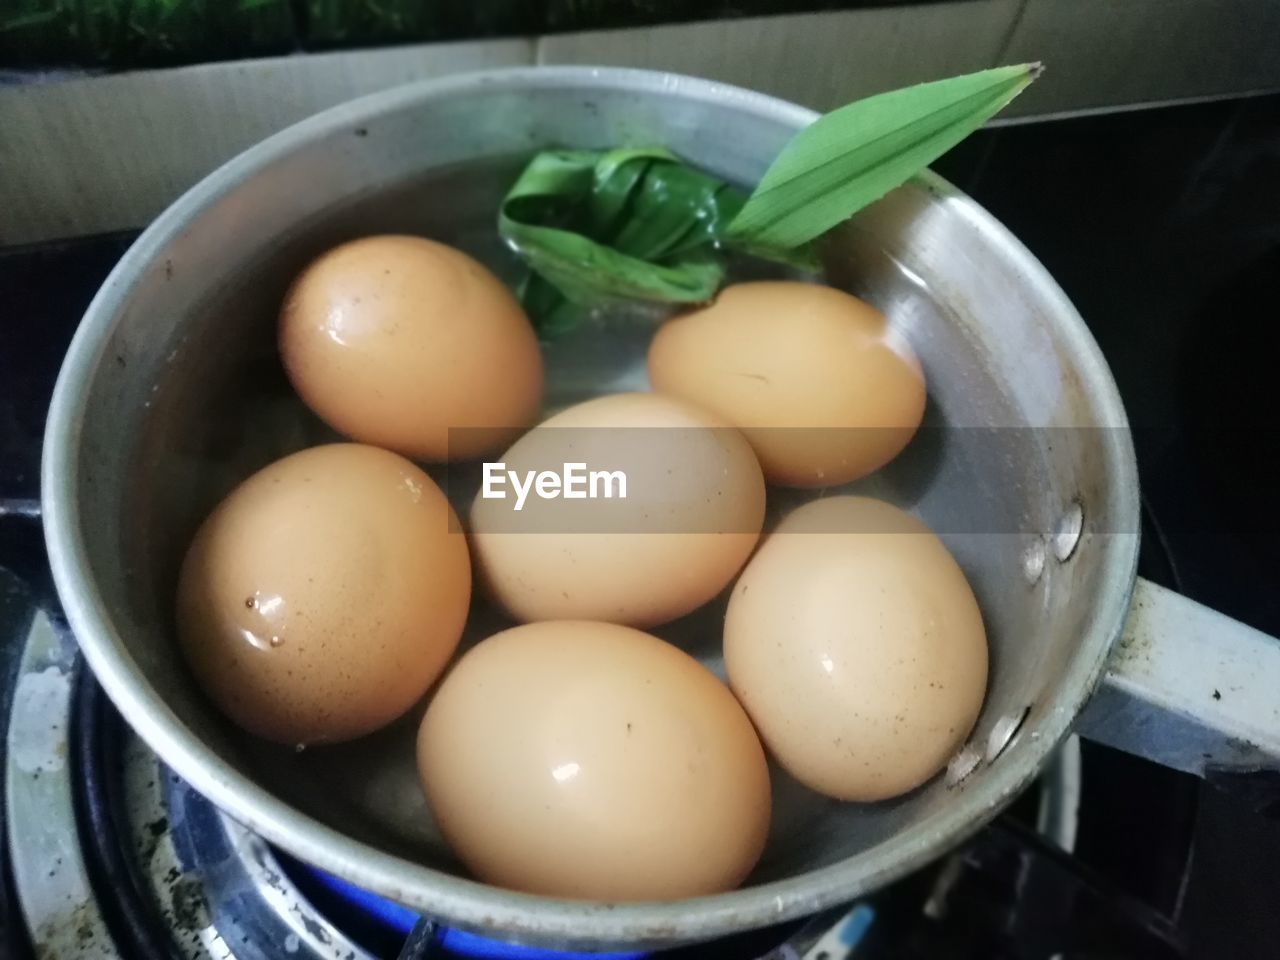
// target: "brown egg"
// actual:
[[856, 645], [825, 391], [594, 761], [692, 513], [324, 595], [411, 345]]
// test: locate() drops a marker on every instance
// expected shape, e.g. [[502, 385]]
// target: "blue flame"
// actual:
[[453, 943]]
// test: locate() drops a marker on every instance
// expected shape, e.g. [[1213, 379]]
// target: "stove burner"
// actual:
[[400, 920], [385, 913], [458, 943], [116, 857], [180, 869], [125, 860]]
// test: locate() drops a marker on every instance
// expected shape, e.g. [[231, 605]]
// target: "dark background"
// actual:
[[121, 34], [1163, 226]]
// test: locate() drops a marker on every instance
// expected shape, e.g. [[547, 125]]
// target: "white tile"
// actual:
[[109, 153], [822, 60], [1103, 53], [90, 155]]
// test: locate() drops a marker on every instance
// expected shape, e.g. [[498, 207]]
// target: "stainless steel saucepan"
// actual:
[[172, 391]]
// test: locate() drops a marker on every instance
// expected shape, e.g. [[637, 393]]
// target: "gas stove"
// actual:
[[1164, 228]]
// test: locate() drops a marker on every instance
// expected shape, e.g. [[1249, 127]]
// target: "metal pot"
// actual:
[[171, 392]]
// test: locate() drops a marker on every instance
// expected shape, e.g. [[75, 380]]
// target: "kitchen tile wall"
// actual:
[[95, 154]]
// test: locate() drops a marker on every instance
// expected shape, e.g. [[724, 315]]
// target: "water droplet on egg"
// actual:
[[277, 641]]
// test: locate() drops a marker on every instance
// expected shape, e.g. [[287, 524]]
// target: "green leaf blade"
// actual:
[[588, 272], [637, 223], [677, 210], [853, 156], [625, 224], [618, 173]]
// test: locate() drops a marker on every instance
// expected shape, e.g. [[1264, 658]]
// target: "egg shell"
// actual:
[[693, 512], [324, 595], [855, 643], [409, 344], [594, 761], [823, 388]]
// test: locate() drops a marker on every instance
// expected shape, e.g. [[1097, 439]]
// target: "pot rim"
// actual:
[[467, 903]]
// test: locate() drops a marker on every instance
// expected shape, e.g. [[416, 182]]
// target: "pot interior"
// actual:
[[188, 397]]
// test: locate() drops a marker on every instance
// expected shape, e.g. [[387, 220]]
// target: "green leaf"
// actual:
[[804, 257], [552, 186], [852, 156], [553, 314], [617, 174], [623, 224], [587, 272], [638, 223], [676, 209], [36, 18]]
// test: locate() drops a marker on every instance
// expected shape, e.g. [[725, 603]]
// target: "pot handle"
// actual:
[[1191, 689]]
